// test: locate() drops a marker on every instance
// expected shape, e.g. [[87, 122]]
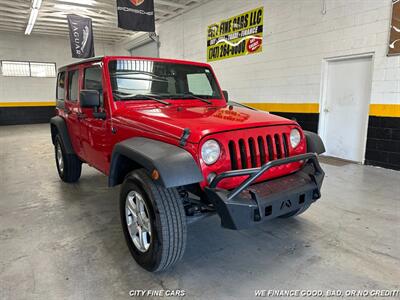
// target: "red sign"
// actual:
[[253, 44]]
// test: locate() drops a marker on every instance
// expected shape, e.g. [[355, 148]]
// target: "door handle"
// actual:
[[81, 116]]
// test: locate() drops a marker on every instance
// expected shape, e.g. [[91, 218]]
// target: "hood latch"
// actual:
[[184, 137]]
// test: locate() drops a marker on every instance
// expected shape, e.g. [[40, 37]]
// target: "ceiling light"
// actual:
[[32, 18], [28, 29], [36, 4]]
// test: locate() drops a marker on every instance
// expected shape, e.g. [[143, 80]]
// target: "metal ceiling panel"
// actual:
[[52, 20]]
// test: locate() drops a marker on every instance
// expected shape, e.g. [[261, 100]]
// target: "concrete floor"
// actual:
[[60, 241]]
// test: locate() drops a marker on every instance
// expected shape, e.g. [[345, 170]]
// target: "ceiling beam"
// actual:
[[169, 3]]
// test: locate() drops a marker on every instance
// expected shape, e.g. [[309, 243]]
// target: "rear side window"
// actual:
[[61, 86], [73, 77]]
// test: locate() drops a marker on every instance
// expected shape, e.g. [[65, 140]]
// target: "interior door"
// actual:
[[94, 130], [344, 115]]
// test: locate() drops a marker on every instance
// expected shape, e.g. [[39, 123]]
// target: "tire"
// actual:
[[69, 166], [164, 242], [295, 212]]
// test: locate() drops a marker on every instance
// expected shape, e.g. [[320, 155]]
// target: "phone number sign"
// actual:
[[237, 36]]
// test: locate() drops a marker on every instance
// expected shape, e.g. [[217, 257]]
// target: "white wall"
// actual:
[[15, 46], [297, 37]]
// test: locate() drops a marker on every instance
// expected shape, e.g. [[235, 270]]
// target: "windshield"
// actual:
[[134, 79]]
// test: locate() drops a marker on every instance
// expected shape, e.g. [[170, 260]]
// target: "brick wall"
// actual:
[[17, 90], [298, 36]]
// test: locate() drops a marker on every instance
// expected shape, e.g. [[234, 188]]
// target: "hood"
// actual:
[[200, 120]]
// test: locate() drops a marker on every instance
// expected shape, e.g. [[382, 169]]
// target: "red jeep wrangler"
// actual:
[[166, 132]]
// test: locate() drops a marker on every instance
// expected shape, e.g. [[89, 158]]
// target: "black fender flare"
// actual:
[[314, 142], [59, 124], [175, 165]]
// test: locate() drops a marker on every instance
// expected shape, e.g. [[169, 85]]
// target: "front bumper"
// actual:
[[250, 204]]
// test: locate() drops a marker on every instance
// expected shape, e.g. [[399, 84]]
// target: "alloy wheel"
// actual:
[[138, 220]]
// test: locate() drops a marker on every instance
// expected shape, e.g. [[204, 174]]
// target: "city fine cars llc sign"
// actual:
[[394, 41], [236, 36]]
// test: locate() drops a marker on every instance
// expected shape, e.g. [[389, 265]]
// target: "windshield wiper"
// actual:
[[126, 96], [192, 96], [118, 74]]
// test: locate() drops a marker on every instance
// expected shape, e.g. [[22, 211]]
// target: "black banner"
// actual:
[[81, 36], [136, 15]]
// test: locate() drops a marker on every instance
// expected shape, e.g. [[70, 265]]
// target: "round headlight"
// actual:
[[295, 138], [210, 152]]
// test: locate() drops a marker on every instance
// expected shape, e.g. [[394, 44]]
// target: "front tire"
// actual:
[[153, 220], [69, 166]]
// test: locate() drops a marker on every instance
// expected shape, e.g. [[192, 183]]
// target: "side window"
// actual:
[[93, 81], [199, 84], [73, 80], [61, 86]]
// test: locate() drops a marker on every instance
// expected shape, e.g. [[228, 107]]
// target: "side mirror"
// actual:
[[226, 96], [89, 98]]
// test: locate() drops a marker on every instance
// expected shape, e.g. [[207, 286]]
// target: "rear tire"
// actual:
[[164, 238], [69, 166], [296, 212]]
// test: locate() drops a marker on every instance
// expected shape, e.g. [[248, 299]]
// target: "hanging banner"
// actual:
[[236, 36], [136, 15], [81, 36], [394, 40]]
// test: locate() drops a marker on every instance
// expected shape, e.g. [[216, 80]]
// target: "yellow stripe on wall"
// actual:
[[27, 104], [378, 110], [311, 108], [384, 110]]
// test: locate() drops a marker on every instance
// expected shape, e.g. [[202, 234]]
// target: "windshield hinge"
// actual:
[[184, 137]]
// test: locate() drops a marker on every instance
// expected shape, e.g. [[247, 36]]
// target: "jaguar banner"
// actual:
[[136, 15], [81, 36], [236, 36], [394, 41]]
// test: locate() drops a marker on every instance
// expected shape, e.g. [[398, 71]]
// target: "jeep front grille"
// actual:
[[256, 151]]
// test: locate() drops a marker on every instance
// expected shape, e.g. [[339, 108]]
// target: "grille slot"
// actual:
[[270, 148], [278, 146], [256, 151], [261, 147], [233, 155], [243, 154], [285, 145], [253, 154]]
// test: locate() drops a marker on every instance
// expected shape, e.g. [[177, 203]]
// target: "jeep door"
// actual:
[[72, 109], [95, 141]]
